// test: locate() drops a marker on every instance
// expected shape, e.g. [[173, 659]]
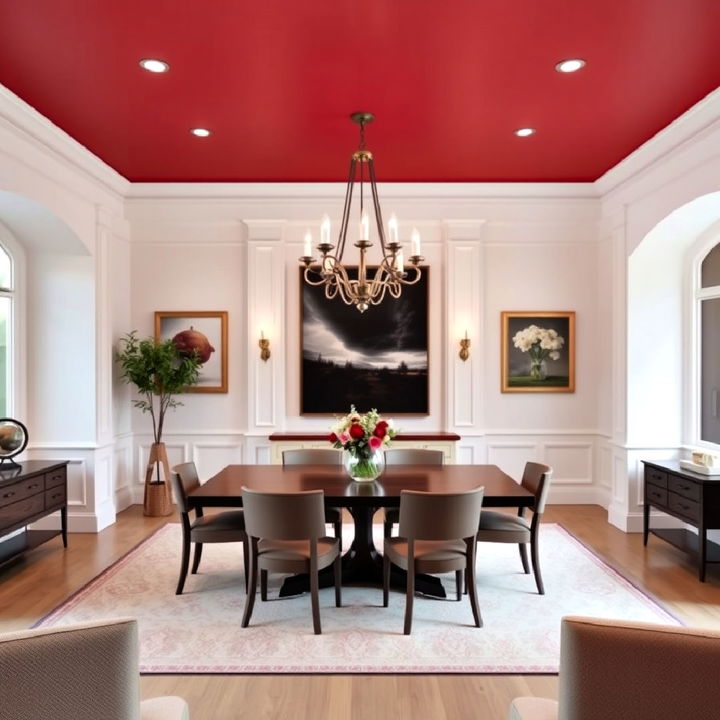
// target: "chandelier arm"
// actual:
[[346, 209], [411, 281], [376, 204]]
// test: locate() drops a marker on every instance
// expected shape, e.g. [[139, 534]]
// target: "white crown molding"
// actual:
[[23, 119], [322, 192], [701, 119]]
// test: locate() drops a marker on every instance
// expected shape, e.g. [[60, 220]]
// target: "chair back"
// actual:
[[615, 669], [440, 516], [536, 479], [76, 672], [284, 516], [311, 456], [184, 479], [414, 456]]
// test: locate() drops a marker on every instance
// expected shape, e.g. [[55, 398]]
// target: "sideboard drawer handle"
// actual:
[[683, 506], [32, 487], [56, 495], [8, 494]]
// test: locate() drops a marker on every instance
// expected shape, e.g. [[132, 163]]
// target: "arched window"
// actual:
[[6, 334], [708, 298]]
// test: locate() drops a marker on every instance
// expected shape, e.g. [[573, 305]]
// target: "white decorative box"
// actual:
[[702, 469]]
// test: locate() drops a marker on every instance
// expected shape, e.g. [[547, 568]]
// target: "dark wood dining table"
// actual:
[[361, 562]]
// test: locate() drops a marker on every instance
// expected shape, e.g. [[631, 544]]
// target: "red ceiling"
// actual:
[[276, 80]]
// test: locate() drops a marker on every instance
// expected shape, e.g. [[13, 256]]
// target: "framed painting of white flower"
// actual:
[[537, 351]]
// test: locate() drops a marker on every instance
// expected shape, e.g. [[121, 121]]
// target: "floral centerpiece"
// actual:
[[540, 344], [362, 438]]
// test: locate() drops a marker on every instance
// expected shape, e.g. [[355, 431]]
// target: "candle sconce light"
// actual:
[[464, 348], [264, 344]]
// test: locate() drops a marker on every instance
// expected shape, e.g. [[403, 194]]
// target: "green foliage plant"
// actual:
[[159, 371]]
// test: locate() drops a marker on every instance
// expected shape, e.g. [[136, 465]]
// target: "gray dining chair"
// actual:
[[437, 535], [287, 535], [228, 526], [82, 671], [407, 456], [504, 528], [319, 456], [617, 669]]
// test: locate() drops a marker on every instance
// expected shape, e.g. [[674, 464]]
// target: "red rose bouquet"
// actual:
[[362, 436]]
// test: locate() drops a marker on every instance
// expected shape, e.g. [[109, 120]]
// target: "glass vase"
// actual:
[[362, 469], [538, 370]]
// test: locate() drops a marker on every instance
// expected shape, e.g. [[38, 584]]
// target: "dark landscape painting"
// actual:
[[376, 359]]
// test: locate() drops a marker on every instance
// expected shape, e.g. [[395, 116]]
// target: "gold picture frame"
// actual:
[[537, 351], [213, 324]]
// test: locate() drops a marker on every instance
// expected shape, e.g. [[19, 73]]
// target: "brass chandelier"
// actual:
[[390, 275]]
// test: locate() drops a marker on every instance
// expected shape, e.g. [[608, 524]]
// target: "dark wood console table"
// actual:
[[28, 493], [690, 497]]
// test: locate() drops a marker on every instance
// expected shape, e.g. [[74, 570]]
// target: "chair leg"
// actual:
[[524, 558], [459, 584], [409, 596], [315, 600], [250, 599], [337, 529], [536, 564], [338, 581], [184, 562], [386, 580], [263, 585], [246, 562], [472, 584], [196, 558], [387, 529]]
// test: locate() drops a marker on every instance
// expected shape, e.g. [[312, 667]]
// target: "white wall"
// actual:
[[140, 248], [489, 248], [654, 214], [64, 208]]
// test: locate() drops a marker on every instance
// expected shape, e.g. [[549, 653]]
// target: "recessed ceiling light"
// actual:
[[201, 132], [525, 132], [570, 66], [154, 66]]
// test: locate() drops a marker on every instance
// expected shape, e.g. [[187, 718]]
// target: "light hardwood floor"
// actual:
[[37, 583]]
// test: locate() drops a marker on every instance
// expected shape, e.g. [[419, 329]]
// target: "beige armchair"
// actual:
[[78, 672], [612, 670]]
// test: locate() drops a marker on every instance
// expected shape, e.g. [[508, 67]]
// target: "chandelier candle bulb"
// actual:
[[400, 262], [364, 226], [325, 230], [415, 240], [393, 229], [307, 250]]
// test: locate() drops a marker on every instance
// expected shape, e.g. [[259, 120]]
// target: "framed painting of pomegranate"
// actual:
[[202, 331]]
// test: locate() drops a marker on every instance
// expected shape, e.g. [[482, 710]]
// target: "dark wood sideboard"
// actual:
[[28, 493], [690, 497]]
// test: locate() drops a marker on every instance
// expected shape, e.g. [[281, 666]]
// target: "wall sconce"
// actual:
[[264, 344], [464, 348]]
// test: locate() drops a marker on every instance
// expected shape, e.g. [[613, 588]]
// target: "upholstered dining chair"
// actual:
[[228, 526], [78, 672], [613, 669], [504, 528], [407, 456], [437, 535], [287, 535], [318, 456]]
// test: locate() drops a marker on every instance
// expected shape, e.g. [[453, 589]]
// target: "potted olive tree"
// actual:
[[159, 371]]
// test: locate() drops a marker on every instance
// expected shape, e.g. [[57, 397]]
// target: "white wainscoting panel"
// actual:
[[572, 462], [211, 457]]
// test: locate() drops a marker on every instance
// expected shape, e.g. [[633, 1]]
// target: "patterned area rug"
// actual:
[[199, 631]]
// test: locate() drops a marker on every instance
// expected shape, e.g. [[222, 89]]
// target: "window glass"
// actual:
[[710, 270], [5, 270], [710, 371]]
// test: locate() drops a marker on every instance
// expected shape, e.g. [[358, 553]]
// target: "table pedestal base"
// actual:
[[362, 565]]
